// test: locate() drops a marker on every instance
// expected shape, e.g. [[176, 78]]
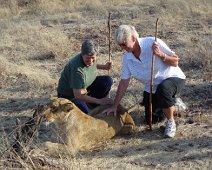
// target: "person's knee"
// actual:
[[162, 90], [109, 81], [81, 105], [165, 94]]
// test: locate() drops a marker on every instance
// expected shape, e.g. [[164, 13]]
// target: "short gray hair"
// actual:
[[124, 33], [89, 47]]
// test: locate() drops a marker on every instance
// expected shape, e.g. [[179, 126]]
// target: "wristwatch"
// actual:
[[164, 57]]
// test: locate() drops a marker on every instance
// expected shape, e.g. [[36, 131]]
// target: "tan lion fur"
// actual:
[[80, 131]]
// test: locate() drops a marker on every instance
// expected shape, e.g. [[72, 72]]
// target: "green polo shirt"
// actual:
[[76, 75]]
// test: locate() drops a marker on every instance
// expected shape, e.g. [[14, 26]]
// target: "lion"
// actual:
[[79, 131]]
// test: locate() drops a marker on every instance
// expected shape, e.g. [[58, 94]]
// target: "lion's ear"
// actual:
[[68, 107], [122, 109], [64, 101]]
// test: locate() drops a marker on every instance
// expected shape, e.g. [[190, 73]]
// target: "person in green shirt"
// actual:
[[79, 81]]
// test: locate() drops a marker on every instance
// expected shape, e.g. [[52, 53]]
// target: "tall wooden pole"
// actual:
[[109, 38], [152, 77], [109, 44]]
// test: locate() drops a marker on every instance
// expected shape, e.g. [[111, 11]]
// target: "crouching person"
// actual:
[[79, 81], [168, 78]]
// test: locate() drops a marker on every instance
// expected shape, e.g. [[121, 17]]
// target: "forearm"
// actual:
[[170, 60], [122, 87], [87, 99], [81, 94], [101, 67]]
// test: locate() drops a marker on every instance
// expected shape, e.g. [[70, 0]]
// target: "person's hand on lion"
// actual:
[[111, 110]]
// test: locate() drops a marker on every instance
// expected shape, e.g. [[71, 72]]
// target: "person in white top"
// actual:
[[168, 78]]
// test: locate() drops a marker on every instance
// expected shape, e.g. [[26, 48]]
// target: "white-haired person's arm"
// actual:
[[122, 87], [161, 50]]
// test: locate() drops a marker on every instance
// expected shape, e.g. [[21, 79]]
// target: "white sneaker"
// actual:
[[170, 129], [180, 106]]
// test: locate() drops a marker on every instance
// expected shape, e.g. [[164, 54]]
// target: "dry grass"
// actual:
[[37, 37]]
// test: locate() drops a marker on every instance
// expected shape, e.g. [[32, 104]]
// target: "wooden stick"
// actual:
[[109, 37], [151, 81], [109, 44]]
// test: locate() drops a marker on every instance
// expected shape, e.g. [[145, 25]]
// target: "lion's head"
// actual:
[[59, 108]]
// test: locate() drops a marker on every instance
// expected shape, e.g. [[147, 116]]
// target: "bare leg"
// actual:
[[170, 112], [170, 129]]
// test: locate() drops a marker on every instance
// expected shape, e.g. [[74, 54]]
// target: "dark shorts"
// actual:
[[164, 97]]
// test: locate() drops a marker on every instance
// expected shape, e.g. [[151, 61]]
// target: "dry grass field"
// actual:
[[37, 37]]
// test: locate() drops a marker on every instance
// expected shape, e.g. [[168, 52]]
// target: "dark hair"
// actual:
[[89, 47]]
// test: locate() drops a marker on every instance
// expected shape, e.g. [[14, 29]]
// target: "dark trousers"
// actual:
[[164, 97], [98, 89]]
